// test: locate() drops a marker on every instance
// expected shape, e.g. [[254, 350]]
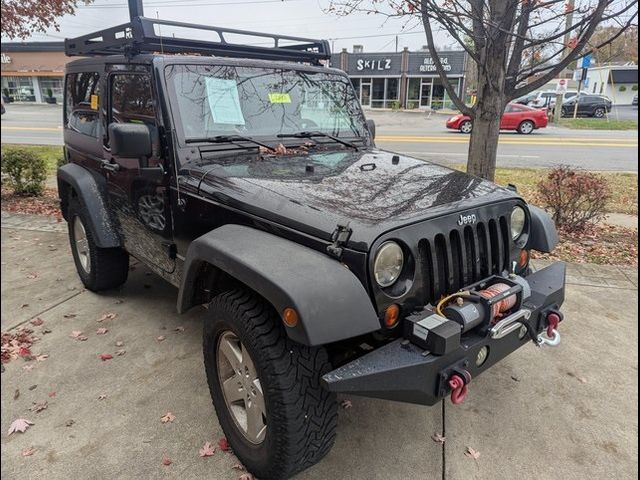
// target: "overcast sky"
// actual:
[[305, 18]]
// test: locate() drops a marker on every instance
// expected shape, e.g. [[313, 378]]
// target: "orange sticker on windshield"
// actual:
[[94, 102]]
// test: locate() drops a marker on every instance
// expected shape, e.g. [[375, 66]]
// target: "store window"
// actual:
[[18, 89], [393, 88], [81, 106], [377, 93], [413, 93], [51, 88], [440, 98]]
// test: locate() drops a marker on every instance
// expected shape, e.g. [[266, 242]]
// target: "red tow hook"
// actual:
[[553, 320], [459, 388]]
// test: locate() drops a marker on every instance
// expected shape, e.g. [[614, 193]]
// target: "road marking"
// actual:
[[525, 138], [457, 154], [33, 129], [540, 142]]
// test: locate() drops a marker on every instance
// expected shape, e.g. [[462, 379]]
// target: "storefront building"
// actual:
[[33, 72], [405, 80]]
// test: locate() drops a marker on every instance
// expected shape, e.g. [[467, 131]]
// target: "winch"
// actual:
[[479, 306]]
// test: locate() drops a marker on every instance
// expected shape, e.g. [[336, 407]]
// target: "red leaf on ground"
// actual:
[[102, 331], [19, 425], [207, 450], [224, 444], [471, 453], [27, 452], [167, 417], [39, 406], [105, 356], [52, 394], [166, 460], [36, 322], [107, 316], [24, 352]]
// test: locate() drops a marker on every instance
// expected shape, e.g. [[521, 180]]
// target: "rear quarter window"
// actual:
[[82, 98]]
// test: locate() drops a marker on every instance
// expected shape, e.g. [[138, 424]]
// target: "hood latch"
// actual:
[[339, 237]]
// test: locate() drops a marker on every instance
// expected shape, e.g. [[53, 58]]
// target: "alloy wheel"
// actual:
[[81, 244], [241, 387]]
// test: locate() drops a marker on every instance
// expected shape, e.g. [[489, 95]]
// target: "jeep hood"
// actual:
[[314, 193]]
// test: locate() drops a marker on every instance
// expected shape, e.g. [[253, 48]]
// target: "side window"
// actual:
[[81, 104], [132, 99], [510, 109]]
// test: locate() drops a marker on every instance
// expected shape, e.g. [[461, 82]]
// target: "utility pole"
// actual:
[[396, 43], [569, 7]]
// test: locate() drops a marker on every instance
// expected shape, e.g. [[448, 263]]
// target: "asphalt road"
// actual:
[[417, 135]]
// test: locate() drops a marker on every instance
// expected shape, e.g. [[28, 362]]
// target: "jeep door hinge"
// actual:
[[339, 237]]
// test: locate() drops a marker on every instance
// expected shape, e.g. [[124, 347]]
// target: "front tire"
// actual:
[[466, 126], [599, 112], [526, 127], [266, 388], [98, 268]]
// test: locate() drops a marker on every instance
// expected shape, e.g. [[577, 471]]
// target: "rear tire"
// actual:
[[98, 268], [299, 415], [466, 126], [526, 127]]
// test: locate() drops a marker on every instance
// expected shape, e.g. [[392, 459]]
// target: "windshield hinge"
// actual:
[[339, 237]]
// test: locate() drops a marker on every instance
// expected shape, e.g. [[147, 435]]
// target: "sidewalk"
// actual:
[[568, 412]]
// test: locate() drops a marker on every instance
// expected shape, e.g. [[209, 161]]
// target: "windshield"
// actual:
[[261, 102]]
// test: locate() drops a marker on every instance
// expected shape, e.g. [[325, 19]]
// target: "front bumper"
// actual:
[[403, 372]]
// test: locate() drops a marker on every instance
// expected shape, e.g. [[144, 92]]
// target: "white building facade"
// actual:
[[618, 82]]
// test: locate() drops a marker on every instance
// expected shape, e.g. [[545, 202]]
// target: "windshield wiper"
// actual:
[[318, 134], [229, 139]]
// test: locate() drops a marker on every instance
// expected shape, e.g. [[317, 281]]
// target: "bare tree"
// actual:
[[20, 18], [517, 46]]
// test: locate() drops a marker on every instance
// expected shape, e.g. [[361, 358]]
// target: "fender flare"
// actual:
[[331, 302], [543, 236], [93, 199]]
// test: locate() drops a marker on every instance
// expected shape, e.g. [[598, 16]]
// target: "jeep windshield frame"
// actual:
[[263, 102]]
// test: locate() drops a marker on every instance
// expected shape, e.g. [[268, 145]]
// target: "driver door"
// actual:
[[140, 204]]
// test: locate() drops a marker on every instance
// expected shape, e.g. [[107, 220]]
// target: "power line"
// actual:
[[183, 5]]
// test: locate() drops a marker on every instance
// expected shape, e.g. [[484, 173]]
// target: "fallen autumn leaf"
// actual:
[[19, 425], [471, 453], [27, 452], [436, 437], [167, 417], [207, 450]]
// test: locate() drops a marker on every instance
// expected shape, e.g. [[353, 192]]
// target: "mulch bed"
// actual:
[[48, 204], [603, 244]]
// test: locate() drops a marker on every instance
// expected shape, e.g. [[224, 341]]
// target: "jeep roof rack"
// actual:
[[145, 35]]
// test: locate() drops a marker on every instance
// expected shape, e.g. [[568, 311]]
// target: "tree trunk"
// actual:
[[483, 145]]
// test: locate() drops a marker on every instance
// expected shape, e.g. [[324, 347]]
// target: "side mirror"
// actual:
[[130, 140], [372, 128]]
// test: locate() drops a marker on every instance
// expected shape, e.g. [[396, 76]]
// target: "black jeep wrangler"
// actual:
[[248, 177]]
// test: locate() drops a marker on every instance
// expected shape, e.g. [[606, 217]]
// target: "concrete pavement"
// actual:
[[568, 412], [411, 133]]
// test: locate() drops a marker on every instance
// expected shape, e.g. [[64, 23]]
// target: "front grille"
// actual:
[[452, 260]]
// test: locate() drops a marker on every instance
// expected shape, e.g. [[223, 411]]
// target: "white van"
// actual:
[[547, 98]]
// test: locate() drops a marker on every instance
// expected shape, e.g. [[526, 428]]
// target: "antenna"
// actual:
[[159, 33]]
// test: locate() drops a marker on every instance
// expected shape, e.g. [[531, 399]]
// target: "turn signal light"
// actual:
[[391, 316], [523, 258], [290, 317]]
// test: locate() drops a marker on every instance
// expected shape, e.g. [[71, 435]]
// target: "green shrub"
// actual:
[[26, 171], [49, 93], [634, 88], [623, 88], [62, 160]]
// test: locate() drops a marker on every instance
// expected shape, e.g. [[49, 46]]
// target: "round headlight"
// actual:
[[518, 219], [388, 264]]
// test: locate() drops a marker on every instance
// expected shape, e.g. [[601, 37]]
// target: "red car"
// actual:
[[516, 117]]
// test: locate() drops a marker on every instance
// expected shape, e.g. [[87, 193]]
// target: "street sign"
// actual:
[[561, 86], [586, 61], [577, 74]]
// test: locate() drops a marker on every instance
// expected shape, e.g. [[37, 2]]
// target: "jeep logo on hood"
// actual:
[[467, 219]]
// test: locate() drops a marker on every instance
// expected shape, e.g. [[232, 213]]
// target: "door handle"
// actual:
[[112, 167]]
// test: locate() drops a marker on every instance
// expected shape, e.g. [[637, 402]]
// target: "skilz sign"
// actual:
[[378, 65]]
